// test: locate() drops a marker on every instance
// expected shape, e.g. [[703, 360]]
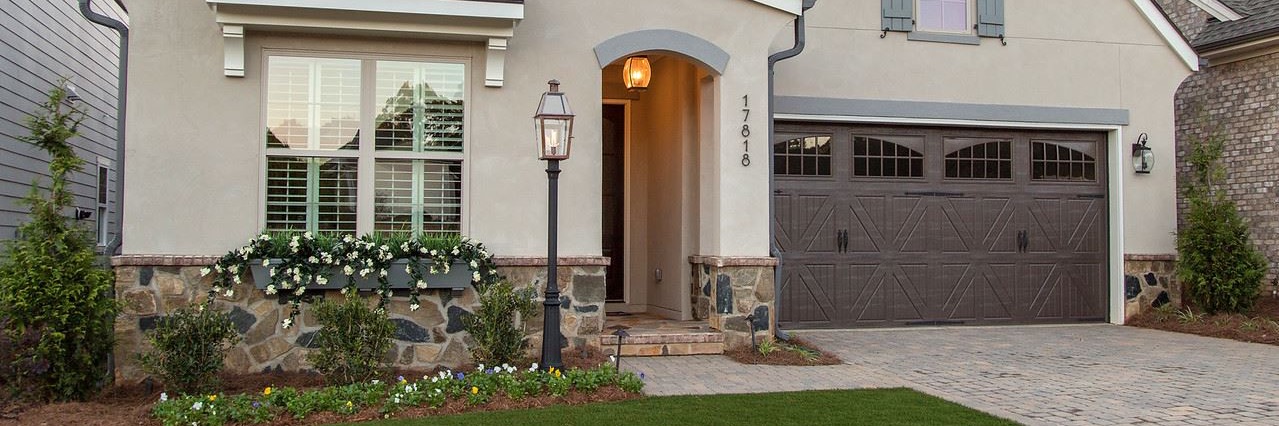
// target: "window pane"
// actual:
[[887, 156], [420, 106], [943, 15], [313, 103], [311, 194], [1064, 161], [418, 196], [978, 158], [803, 156]]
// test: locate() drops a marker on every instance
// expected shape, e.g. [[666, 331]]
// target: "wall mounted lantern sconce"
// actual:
[[637, 73], [1143, 158]]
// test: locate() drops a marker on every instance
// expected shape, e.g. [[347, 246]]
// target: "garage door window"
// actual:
[[803, 156], [1063, 161], [978, 158], [888, 157]]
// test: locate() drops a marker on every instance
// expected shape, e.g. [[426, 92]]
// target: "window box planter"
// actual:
[[458, 277]]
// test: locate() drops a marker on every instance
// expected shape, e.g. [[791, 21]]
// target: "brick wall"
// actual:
[[1190, 19], [1242, 100]]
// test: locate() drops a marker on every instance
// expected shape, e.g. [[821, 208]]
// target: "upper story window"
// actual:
[[955, 21], [335, 163], [949, 16]]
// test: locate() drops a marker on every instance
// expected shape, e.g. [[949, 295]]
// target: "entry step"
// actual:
[[666, 344]]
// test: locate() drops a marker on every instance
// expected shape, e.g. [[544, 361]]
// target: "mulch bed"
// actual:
[[746, 354], [130, 404], [1260, 325]]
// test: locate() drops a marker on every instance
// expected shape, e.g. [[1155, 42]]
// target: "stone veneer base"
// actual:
[[149, 287], [728, 290], [1150, 281]]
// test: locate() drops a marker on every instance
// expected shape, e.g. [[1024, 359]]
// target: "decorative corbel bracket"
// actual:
[[495, 62], [233, 50]]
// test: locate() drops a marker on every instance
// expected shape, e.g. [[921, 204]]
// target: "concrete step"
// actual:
[[666, 344]]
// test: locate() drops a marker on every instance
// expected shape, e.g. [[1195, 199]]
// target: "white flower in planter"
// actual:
[[343, 290], [300, 290], [217, 268], [270, 289], [230, 292], [446, 268], [266, 262], [235, 269], [404, 246], [236, 279], [381, 273], [348, 239], [288, 322], [312, 259], [348, 270], [365, 272], [408, 269], [434, 253], [474, 264], [422, 250], [414, 307], [307, 235], [271, 272], [421, 284], [264, 237], [204, 271], [475, 276], [321, 280], [456, 251]]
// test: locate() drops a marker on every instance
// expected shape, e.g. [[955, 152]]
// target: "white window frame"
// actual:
[[367, 154], [970, 7]]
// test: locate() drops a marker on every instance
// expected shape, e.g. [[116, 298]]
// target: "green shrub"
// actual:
[[189, 347], [49, 277], [1219, 267], [353, 340], [495, 325]]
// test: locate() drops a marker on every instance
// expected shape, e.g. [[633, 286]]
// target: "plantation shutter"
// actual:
[[990, 18], [308, 193], [898, 15]]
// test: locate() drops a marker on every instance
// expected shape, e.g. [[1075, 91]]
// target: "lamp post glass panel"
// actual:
[[554, 125]]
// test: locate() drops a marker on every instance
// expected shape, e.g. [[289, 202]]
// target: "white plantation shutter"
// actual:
[[421, 108], [313, 103], [419, 196], [311, 193]]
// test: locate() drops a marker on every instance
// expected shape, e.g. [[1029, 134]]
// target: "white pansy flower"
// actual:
[[421, 284], [164, 397], [205, 271], [270, 289], [197, 406]]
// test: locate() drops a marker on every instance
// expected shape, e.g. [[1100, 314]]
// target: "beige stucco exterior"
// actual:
[[196, 157]]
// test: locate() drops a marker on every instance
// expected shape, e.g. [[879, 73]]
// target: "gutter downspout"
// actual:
[[86, 9], [773, 59]]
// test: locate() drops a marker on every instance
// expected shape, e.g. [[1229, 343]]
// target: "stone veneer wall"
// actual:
[[1150, 281], [1241, 100], [727, 290], [151, 286]]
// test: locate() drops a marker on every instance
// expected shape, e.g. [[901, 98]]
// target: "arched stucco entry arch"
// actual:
[[692, 47]]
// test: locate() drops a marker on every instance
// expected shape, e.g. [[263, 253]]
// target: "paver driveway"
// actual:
[[1093, 375]]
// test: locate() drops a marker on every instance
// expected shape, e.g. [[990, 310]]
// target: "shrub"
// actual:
[[353, 340], [189, 347], [495, 325], [49, 278], [1220, 268]]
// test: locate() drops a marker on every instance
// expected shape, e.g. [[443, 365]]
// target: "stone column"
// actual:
[[1150, 281], [727, 290]]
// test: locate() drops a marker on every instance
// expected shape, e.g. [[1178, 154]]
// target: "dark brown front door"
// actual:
[[614, 229], [887, 226]]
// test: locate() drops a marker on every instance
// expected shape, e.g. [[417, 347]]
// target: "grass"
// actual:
[[871, 407]]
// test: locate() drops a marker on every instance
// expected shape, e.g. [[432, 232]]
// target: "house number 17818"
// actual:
[[746, 130]]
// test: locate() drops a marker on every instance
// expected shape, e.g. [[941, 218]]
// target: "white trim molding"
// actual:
[[793, 7], [1156, 18], [491, 23], [1218, 10]]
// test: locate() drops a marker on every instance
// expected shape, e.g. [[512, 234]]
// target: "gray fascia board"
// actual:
[[800, 105]]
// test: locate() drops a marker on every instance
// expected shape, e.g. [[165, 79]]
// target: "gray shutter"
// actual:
[[990, 18], [898, 15]]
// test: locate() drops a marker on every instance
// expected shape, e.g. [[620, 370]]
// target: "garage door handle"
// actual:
[[1023, 241], [933, 194]]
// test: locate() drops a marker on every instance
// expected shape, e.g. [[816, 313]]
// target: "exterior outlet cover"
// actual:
[[657, 274]]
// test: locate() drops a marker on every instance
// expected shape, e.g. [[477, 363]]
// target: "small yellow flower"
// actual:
[[213, 398], [349, 404], [557, 374], [267, 391], [474, 390]]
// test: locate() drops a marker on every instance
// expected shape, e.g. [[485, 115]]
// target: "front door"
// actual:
[[614, 227]]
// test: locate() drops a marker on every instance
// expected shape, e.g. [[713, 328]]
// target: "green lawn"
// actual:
[[871, 407]]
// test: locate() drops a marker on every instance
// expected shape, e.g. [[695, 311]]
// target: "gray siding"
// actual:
[[42, 41]]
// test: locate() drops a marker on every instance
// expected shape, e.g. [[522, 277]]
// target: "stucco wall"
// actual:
[[1082, 53], [196, 153]]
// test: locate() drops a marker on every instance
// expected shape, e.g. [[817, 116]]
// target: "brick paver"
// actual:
[[1095, 375]]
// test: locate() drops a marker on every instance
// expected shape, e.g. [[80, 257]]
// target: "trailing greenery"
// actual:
[[1220, 268], [189, 348], [473, 388], [353, 340], [297, 262], [497, 325], [49, 279]]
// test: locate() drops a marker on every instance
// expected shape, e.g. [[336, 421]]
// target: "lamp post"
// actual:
[[554, 125]]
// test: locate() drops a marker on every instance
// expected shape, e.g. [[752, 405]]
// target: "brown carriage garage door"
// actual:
[[891, 226]]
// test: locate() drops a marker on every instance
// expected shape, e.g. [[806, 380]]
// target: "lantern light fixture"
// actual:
[[636, 73], [554, 124], [1143, 158]]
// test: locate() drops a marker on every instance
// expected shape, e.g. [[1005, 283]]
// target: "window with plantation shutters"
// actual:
[[409, 163], [952, 21]]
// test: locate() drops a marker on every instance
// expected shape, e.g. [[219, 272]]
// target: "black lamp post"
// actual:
[[554, 124]]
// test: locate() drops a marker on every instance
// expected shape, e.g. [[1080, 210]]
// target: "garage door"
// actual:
[[887, 226]]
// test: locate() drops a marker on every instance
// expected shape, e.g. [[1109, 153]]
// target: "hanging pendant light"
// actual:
[[636, 73]]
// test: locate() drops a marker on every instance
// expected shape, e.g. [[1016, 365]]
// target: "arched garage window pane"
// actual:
[[1063, 161], [979, 158], [888, 156]]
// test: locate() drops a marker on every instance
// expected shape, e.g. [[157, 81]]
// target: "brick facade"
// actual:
[[1240, 99]]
